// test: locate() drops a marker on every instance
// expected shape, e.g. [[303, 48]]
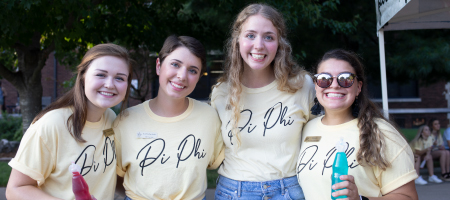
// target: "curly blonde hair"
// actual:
[[288, 73]]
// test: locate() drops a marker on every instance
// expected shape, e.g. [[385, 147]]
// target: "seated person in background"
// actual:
[[421, 146], [446, 139], [438, 150]]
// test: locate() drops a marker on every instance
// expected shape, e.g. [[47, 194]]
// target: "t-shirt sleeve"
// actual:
[[215, 92], [447, 134], [120, 170], [311, 96], [417, 145], [35, 157], [401, 158], [219, 149], [307, 97]]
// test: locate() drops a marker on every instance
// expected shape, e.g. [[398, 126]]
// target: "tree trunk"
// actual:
[[30, 86], [30, 99], [27, 80]]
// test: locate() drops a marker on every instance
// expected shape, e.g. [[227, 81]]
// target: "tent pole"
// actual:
[[383, 74]]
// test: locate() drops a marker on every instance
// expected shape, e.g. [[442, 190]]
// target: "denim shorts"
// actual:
[[286, 188]]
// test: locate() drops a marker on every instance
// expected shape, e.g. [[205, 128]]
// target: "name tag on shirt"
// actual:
[[146, 135], [108, 132], [313, 139]]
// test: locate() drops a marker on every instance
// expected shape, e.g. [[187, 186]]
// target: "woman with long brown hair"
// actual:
[[74, 128], [263, 100], [380, 162]]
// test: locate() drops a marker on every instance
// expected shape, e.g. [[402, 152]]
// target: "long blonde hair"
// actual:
[[288, 73], [419, 134]]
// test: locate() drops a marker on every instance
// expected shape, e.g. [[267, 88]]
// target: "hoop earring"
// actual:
[[317, 108], [355, 108]]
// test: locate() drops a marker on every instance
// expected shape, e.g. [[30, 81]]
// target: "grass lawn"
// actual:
[[5, 170], [409, 133]]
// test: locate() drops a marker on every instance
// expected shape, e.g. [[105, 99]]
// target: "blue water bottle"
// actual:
[[340, 166]]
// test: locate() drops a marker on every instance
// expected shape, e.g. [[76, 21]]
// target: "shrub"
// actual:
[[10, 127]]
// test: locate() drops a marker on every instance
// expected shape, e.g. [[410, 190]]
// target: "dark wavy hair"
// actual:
[[370, 138]]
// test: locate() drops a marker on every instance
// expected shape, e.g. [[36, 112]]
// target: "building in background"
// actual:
[[410, 105]]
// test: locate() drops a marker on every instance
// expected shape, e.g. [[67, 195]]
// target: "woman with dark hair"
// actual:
[[380, 162], [165, 144], [438, 149], [72, 129]]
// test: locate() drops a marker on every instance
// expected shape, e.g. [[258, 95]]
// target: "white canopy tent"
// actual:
[[407, 15]]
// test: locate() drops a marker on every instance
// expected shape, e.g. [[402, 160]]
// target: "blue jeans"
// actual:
[[286, 188]]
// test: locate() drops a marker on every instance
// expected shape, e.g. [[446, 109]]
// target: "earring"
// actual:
[[317, 108], [355, 107]]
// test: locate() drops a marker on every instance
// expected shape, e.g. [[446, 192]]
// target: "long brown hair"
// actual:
[[288, 73], [76, 98], [371, 138]]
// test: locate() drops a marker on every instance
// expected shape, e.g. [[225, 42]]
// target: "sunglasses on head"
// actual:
[[344, 79]]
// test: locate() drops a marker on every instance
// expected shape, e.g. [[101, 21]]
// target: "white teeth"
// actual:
[[107, 93], [258, 57], [334, 95], [177, 86]]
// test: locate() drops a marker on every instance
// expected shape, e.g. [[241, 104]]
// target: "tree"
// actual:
[[30, 30]]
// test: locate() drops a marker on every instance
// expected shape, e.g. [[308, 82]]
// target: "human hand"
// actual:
[[441, 147], [351, 191]]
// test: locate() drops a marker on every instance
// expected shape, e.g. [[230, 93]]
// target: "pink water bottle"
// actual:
[[79, 186]]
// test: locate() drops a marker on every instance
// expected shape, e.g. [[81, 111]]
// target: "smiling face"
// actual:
[[178, 74], [258, 43], [105, 83], [336, 98]]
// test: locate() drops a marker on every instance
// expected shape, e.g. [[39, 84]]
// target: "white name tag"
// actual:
[[146, 135]]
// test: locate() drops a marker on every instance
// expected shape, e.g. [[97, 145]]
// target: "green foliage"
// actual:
[[8, 57], [419, 55], [212, 178], [5, 171], [10, 127], [409, 133]]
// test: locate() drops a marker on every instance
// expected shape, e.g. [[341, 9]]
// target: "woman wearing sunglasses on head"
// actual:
[[380, 162]]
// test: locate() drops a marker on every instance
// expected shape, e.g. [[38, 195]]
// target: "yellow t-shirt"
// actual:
[[439, 141], [167, 157], [47, 150], [314, 166], [421, 144], [271, 123]]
